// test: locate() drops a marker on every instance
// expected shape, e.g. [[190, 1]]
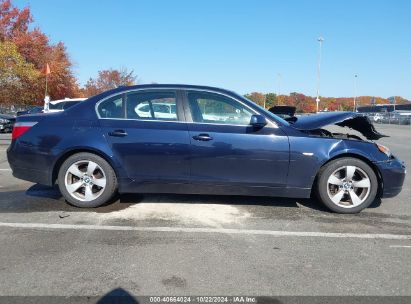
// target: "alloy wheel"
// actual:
[[85, 180], [348, 186]]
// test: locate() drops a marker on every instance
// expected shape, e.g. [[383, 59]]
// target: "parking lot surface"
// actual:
[[202, 245]]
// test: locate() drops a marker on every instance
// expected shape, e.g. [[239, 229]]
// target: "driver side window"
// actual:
[[211, 108]]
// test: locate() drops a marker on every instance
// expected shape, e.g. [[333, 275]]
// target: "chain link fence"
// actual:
[[392, 118]]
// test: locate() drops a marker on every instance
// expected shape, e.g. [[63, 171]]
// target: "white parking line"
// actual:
[[208, 230], [5, 169], [399, 246]]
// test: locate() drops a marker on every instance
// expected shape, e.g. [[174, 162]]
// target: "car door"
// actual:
[[152, 146], [227, 151]]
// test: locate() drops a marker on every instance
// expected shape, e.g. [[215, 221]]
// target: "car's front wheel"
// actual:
[[87, 180], [347, 185]]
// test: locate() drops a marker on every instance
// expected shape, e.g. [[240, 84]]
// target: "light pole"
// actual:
[[278, 84], [355, 91], [279, 76], [320, 40]]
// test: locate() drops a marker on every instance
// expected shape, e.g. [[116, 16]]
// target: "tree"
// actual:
[[62, 83], [282, 100], [270, 100], [258, 98], [17, 77], [332, 104], [35, 48], [13, 20], [109, 79], [301, 102]]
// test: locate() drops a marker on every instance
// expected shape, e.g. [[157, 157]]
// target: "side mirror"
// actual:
[[258, 121]]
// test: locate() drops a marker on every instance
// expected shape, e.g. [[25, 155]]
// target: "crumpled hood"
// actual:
[[343, 119]]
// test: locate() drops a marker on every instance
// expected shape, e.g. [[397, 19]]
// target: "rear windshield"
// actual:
[[57, 106], [63, 105]]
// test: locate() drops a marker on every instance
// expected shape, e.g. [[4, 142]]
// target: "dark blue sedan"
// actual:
[[201, 140]]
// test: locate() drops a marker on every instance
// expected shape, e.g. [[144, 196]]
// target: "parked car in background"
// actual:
[[63, 104], [404, 117], [31, 110], [377, 117], [6, 123], [160, 110], [104, 145], [54, 106]]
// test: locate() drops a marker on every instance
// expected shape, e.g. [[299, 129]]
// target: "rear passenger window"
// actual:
[[112, 107], [160, 105]]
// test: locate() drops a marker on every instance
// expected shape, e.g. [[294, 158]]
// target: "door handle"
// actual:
[[202, 137], [118, 133]]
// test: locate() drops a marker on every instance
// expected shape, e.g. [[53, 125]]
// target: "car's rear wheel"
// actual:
[[347, 185], [86, 180]]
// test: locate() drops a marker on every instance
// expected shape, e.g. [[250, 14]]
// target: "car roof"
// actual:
[[165, 86]]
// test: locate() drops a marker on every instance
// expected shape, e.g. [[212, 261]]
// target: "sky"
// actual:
[[241, 45]]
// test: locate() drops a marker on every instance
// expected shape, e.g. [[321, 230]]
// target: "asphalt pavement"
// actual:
[[203, 245]]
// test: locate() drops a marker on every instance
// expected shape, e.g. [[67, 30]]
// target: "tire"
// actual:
[[347, 185], [87, 180]]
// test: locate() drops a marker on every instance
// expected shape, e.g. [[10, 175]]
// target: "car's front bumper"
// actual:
[[393, 174]]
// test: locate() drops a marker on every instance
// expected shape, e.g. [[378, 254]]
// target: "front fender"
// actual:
[[309, 154]]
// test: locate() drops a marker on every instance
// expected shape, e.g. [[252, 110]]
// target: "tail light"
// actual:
[[20, 128]]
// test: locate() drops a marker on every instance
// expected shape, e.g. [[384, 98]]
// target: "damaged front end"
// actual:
[[316, 125]]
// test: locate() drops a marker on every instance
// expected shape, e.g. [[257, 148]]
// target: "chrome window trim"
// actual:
[[273, 123]]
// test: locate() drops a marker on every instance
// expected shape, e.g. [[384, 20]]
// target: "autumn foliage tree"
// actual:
[[258, 98], [35, 51], [307, 104], [12, 20], [271, 100], [109, 79], [17, 77]]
